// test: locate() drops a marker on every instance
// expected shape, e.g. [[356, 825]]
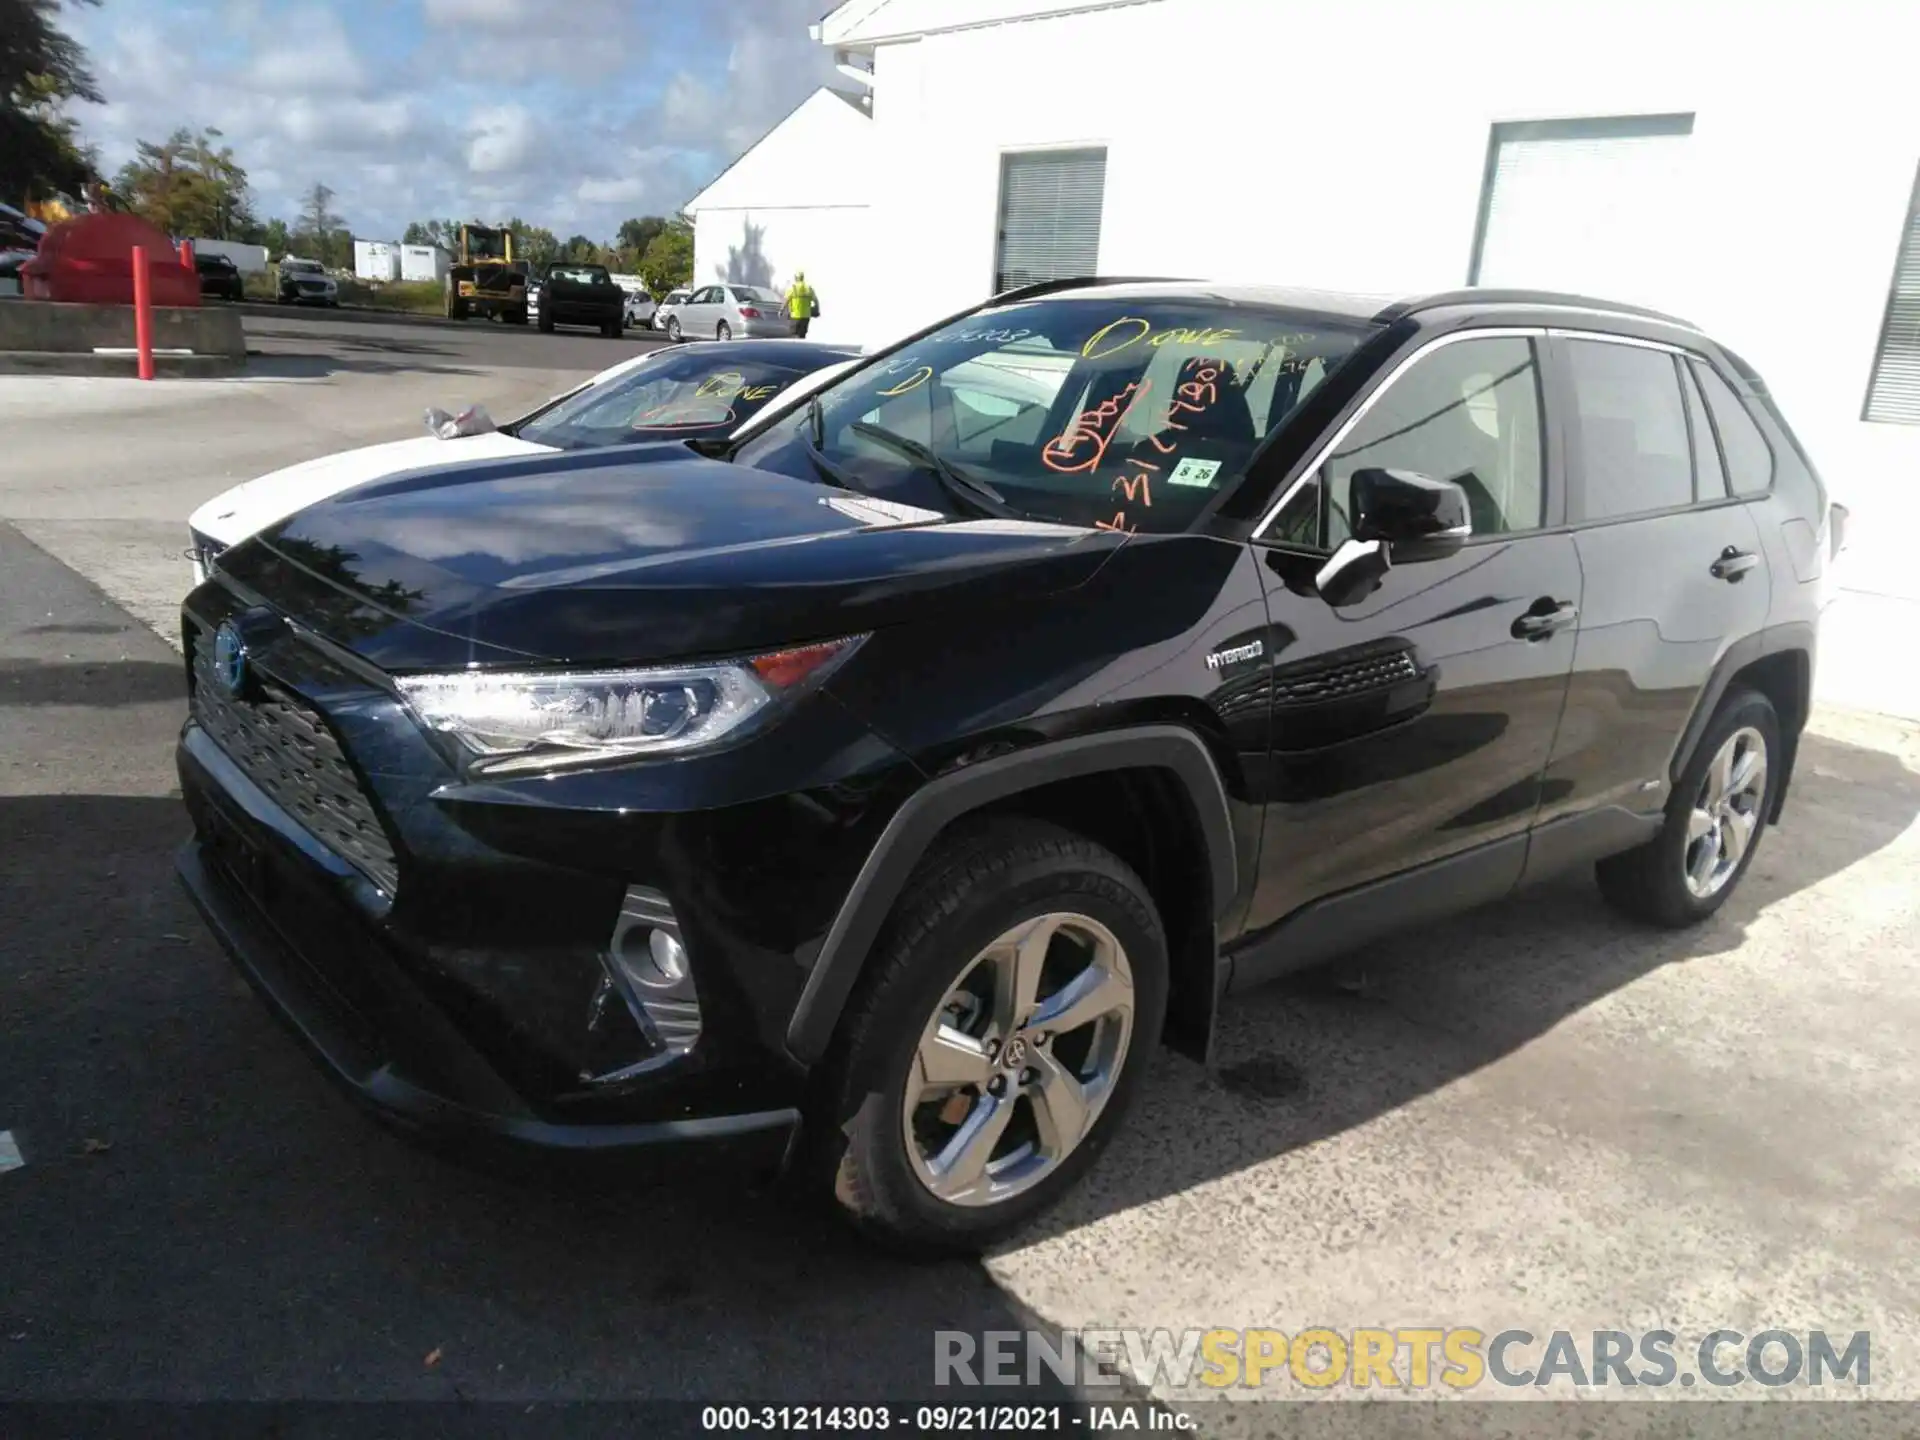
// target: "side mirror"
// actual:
[[1400, 517]]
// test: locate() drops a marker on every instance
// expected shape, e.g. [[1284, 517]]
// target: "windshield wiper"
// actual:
[[968, 488]]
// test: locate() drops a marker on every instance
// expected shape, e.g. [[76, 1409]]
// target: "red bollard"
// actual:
[[186, 253], [142, 312]]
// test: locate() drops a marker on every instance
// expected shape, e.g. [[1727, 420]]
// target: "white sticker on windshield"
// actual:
[[1198, 473]]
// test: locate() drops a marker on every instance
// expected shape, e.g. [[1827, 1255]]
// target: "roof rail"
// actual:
[[1075, 282], [1481, 295]]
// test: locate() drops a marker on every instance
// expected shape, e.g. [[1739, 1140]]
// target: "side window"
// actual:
[[1469, 412], [1709, 475], [1631, 437], [1749, 457]]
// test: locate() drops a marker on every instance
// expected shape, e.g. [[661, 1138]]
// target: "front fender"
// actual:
[[930, 810]]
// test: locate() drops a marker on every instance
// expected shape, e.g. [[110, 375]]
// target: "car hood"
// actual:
[[631, 556], [231, 517]]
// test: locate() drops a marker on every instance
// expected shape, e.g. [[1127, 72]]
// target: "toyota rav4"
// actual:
[[871, 795]]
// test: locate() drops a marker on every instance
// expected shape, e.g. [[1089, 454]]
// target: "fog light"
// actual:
[[646, 961]]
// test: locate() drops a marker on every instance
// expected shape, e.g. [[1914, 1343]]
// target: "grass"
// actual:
[[417, 297]]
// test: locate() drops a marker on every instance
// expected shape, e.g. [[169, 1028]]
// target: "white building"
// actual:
[[1748, 166], [801, 199]]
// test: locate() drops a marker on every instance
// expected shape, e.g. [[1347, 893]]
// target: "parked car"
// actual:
[[669, 302], [660, 395], [873, 794], [219, 277], [573, 294], [19, 242], [722, 312], [640, 309], [306, 282]]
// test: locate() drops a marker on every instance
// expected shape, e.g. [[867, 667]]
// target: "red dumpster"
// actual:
[[89, 260]]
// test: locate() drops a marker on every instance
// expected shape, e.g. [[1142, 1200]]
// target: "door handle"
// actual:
[[1544, 617], [1733, 563]]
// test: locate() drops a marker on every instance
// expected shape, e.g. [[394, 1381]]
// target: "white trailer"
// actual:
[[376, 260], [424, 262], [247, 259]]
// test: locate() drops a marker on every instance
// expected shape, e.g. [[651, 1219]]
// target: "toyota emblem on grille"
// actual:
[[230, 659]]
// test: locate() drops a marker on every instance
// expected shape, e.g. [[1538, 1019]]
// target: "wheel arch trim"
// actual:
[[930, 810], [1793, 638]]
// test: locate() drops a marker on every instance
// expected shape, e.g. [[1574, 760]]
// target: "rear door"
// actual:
[[1674, 564], [1411, 730], [701, 313]]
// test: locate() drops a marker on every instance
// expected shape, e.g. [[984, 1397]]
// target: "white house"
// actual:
[[800, 199], [1748, 166]]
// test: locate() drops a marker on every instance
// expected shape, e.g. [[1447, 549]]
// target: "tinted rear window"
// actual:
[[1635, 454]]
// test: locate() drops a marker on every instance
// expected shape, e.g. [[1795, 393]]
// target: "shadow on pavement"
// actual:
[[203, 1216], [88, 682], [1309, 1058]]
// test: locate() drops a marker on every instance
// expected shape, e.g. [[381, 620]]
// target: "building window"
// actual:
[[1049, 216], [1587, 206], [1893, 394]]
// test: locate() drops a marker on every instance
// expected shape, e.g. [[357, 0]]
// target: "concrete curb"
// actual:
[[354, 314], [80, 362]]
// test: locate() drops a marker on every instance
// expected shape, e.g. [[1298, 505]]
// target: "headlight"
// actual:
[[545, 720]]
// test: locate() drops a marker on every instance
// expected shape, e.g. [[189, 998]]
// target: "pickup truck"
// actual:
[[582, 295]]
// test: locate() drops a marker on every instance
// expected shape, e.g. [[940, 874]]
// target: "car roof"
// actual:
[[1379, 308], [809, 354]]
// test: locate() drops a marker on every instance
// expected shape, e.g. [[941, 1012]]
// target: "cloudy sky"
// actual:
[[571, 113]]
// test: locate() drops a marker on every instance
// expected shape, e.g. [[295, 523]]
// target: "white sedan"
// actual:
[[667, 394]]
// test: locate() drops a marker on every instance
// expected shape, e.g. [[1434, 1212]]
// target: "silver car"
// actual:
[[729, 312], [670, 302]]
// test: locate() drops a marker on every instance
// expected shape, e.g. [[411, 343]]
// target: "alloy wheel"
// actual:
[[1019, 1059], [1726, 812]]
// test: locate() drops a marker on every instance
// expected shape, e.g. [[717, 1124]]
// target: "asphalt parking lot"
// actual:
[[1534, 1117]]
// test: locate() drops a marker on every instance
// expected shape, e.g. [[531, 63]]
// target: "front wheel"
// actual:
[[992, 1046], [1713, 823], [673, 328]]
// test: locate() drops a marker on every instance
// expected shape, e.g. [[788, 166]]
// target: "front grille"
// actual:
[[1320, 681], [281, 745]]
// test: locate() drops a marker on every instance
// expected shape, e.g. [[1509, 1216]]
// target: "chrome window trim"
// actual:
[[1633, 340], [1491, 332]]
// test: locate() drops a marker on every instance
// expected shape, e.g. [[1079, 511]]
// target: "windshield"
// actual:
[[487, 244], [1128, 414], [680, 393], [303, 267], [579, 274]]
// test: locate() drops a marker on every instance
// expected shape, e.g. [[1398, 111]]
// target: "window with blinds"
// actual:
[[1585, 205], [1049, 216], [1893, 394]]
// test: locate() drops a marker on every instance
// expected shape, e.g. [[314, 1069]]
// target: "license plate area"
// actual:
[[235, 854]]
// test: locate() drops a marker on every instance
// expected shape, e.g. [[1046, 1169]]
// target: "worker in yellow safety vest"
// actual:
[[802, 303]]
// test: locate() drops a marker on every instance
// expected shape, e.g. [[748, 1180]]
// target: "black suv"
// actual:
[[871, 795]]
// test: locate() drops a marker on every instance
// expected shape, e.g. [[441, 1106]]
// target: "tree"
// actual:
[[275, 237], [668, 261], [633, 238], [533, 243], [322, 231], [433, 232], [188, 186], [581, 250], [41, 68]]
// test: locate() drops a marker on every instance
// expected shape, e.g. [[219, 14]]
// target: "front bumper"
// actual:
[[273, 897]]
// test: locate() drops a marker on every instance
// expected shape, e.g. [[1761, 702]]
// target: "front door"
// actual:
[[1411, 730], [1675, 567]]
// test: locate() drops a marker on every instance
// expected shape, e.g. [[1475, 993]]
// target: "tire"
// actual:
[[724, 332], [1669, 881], [976, 892], [613, 329], [546, 321], [673, 328]]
